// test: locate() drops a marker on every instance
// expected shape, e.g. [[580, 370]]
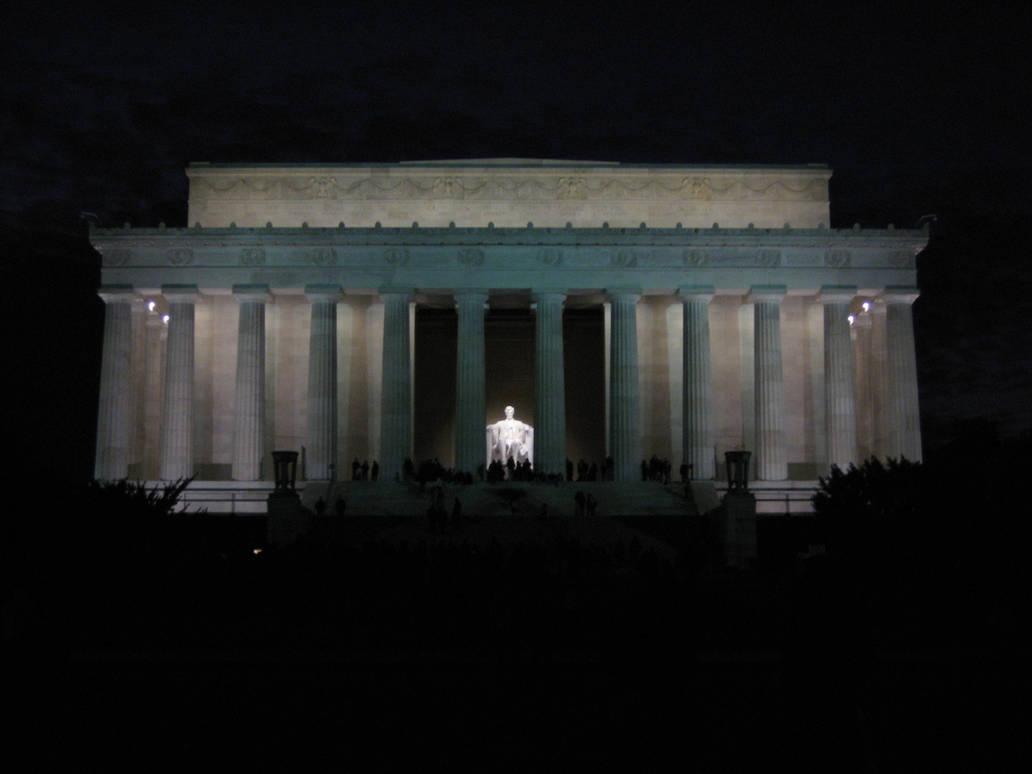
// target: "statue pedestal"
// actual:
[[739, 532]]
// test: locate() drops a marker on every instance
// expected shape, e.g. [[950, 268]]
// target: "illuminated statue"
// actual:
[[510, 439]]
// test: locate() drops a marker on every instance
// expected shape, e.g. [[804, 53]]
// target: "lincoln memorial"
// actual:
[[395, 311]]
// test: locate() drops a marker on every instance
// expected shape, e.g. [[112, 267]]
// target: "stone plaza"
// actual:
[[384, 312]]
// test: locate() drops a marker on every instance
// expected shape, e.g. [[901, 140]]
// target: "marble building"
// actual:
[[385, 311]]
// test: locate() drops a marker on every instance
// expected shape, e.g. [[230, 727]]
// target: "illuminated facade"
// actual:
[[627, 310]]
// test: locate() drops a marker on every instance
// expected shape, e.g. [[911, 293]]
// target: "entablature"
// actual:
[[507, 257]]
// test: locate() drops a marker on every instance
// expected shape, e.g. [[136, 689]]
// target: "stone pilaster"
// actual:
[[771, 456], [903, 413], [113, 416], [321, 431], [396, 403], [839, 376], [470, 414], [624, 419], [549, 384], [176, 457], [249, 412], [698, 443]]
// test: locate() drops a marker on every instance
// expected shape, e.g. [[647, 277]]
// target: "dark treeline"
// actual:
[[887, 620]]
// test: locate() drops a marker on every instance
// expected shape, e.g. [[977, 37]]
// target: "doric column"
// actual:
[[839, 376], [396, 403], [176, 458], [698, 442], [771, 457], [249, 413], [903, 413], [470, 414], [624, 420], [549, 384], [113, 414], [321, 434]]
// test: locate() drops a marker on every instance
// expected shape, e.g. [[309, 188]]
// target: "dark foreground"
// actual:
[[354, 651]]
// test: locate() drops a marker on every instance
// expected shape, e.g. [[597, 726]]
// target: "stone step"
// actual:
[[515, 498]]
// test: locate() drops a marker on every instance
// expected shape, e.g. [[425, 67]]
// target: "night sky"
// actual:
[[919, 110]]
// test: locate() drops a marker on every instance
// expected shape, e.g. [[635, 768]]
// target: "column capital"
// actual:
[[836, 294], [327, 292], [252, 293], [456, 292], [623, 292], [766, 294], [117, 294], [899, 294], [703, 293], [181, 294]]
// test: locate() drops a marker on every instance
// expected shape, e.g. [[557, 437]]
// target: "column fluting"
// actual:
[[113, 417], [698, 442], [549, 384], [396, 401], [902, 409], [839, 376], [321, 433], [249, 411], [176, 458], [624, 417], [771, 456], [470, 413]]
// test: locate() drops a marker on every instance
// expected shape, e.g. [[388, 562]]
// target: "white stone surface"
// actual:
[[372, 392], [510, 439], [114, 413], [509, 192], [624, 443], [904, 418], [396, 404], [698, 441], [321, 434], [469, 397], [771, 459], [177, 460], [549, 384], [249, 415], [839, 377]]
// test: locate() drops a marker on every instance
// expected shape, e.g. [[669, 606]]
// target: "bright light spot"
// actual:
[[851, 319], [256, 551], [165, 318], [867, 306], [150, 306]]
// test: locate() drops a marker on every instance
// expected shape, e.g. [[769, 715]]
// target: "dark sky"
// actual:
[[919, 109]]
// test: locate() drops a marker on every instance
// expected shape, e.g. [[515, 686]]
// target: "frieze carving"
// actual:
[[324, 188], [321, 256], [448, 188], [550, 256], [179, 256], [252, 256], [902, 259], [471, 257], [396, 256], [768, 258], [695, 258], [623, 258], [571, 188], [116, 257], [837, 259], [511, 188]]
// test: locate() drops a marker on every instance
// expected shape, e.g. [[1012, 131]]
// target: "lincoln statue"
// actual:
[[510, 439]]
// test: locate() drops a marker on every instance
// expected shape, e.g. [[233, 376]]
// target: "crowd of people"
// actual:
[[429, 470]]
